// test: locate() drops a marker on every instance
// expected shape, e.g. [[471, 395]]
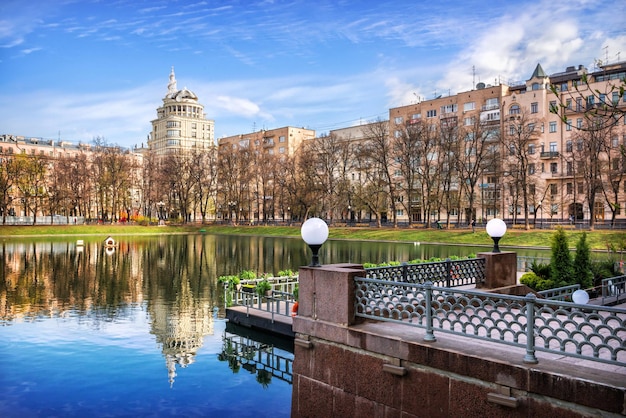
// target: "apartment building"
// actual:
[[48, 201], [181, 124], [248, 166], [519, 115]]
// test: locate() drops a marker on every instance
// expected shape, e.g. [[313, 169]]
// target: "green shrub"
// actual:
[[536, 282], [288, 273], [582, 263], [540, 269], [296, 292], [561, 271]]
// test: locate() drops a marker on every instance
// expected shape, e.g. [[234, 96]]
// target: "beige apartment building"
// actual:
[[553, 154], [20, 206], [247, 190], [181, 124]]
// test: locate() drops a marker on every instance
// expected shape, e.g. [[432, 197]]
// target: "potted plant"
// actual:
[[264, 287], [296, 294]]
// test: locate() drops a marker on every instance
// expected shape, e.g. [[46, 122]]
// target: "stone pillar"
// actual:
[[500, 270], [326, 293]]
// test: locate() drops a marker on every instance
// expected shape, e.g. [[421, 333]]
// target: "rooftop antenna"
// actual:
[[473, 76]]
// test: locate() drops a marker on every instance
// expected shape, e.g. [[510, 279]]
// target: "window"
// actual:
[[431, 113], [531, 189], [553, 107], [398, 120], [570, 168], [450, 108], [568, 104], [469, 106], [552, 126], [468, 121], [554, 189], [554, 168], [281, 150], [615, 142], [579, 123], [514, 110], [173, 133], [535, 86], [569, 188], [581, 188], [553, 147], [568, 125], [534, 107], [531, 149], [531, 168], [531, 127], [399, 212], [564, 86], [512, 150], [281, 138], [579, 104], [615, 98], [579, 145], [397, 134], [492, 103]]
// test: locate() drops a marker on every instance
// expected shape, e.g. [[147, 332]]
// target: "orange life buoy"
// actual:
[[294, 309]]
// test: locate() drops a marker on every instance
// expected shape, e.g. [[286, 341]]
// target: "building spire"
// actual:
[[171, 86]]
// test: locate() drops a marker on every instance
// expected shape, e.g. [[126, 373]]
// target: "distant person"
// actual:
[[473, 225]]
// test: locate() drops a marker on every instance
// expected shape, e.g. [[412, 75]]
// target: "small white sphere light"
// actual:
[[315, 233], [580, 297], [496, 228]]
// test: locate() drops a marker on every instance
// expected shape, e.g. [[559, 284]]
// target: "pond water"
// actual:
[[138, 330]]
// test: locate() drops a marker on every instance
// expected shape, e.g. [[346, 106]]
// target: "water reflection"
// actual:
[[138, 329], [258, 353]]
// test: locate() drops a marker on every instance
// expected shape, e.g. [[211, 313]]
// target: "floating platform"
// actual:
[[261, 320]]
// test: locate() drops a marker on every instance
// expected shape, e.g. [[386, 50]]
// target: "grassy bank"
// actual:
[[598, 240]]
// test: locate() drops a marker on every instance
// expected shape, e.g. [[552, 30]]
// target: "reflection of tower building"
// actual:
[[180, 327], [181, 125]]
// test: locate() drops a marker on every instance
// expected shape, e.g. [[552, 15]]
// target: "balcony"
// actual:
[[549, 154]]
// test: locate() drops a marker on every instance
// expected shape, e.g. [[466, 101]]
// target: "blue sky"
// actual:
[[100, 68]]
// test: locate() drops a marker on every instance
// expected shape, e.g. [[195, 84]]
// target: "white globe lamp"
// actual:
[[315, 233], [496, 228]]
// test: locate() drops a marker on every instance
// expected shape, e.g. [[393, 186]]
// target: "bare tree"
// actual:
[[518, 140], [590, 157], [9, 173], [475, 156], [378, 146], [408, 150], [32, 182], [205, 163], [615, 174]]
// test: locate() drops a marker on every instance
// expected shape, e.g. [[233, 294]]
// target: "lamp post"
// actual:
[[496, 228], [161, 205], [541, 208], [315, 233]]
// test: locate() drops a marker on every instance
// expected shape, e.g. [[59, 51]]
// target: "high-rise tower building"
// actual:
[[181, 124]]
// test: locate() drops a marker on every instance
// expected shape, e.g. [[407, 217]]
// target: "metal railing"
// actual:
[[256, 357], [524, 262], [278, 301], [560, 293], [588, 332], [613, 289], [449, 273]]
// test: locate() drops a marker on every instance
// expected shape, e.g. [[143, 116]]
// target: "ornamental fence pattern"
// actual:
[[588, 332], [448, 273]]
